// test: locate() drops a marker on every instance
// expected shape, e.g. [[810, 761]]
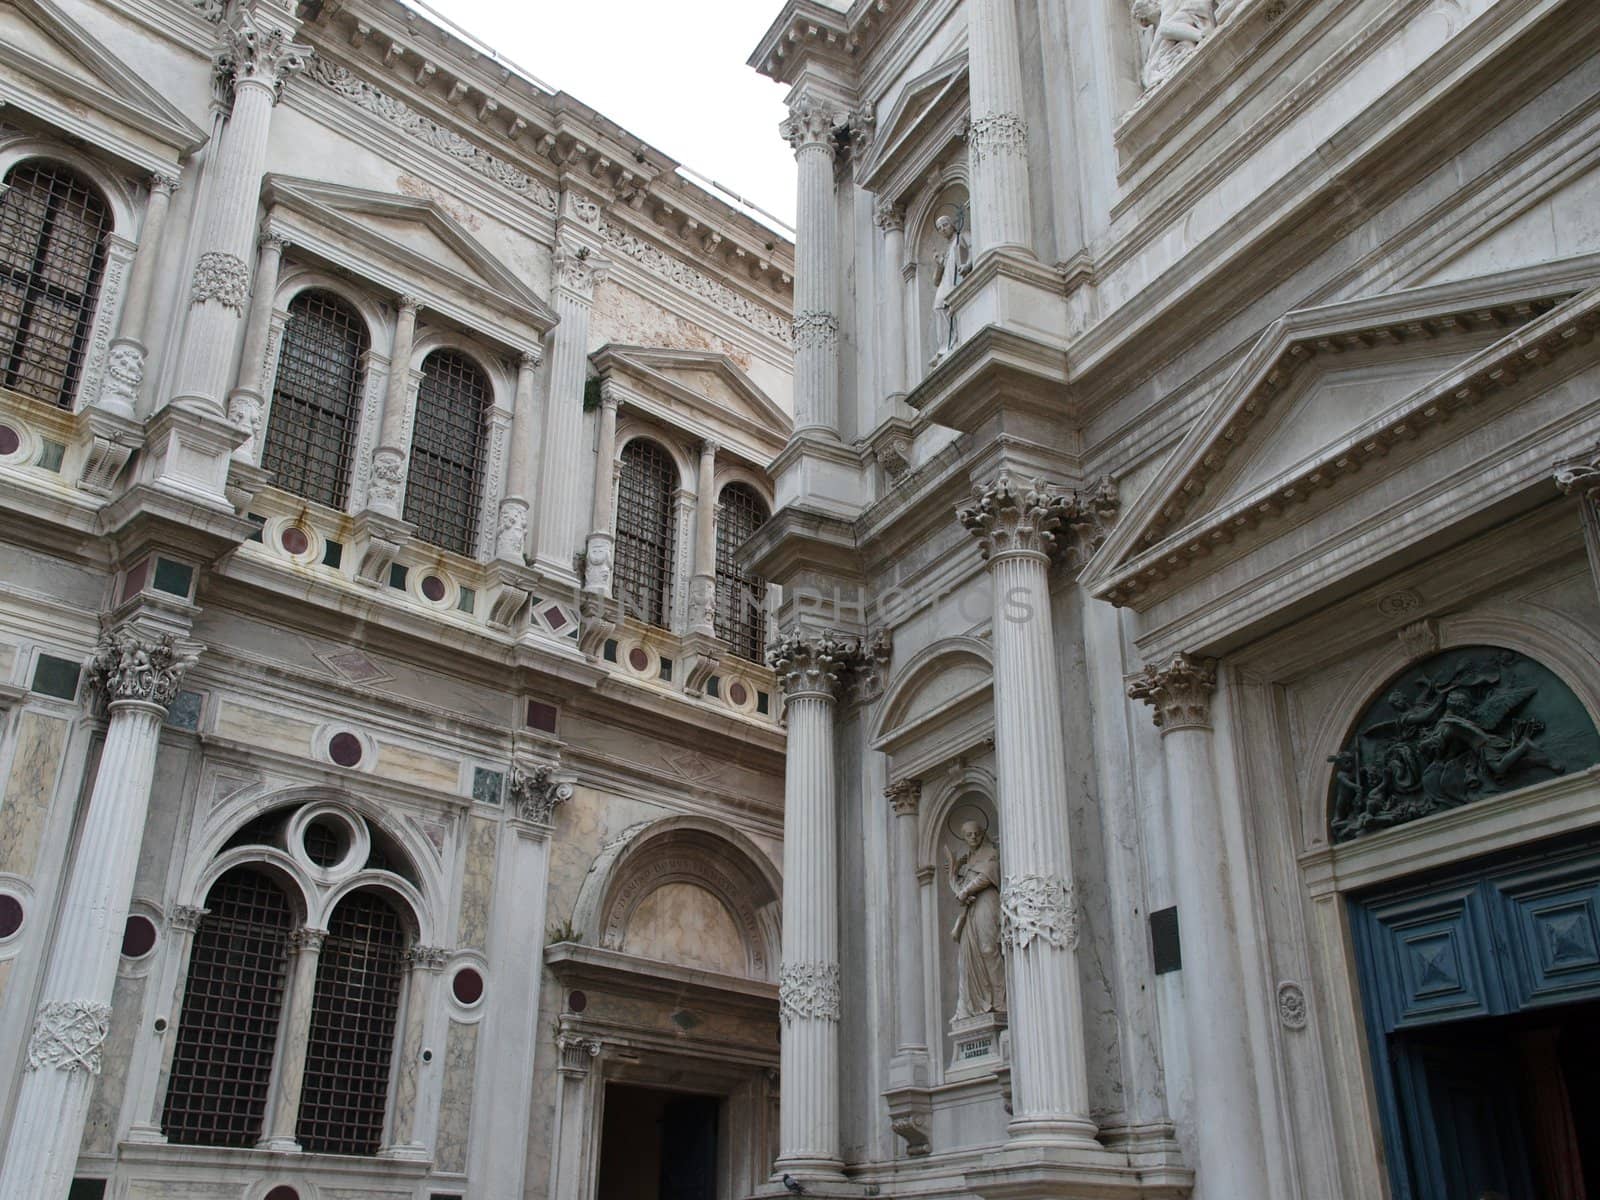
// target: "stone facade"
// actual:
[[1206, 417], [568, 813]]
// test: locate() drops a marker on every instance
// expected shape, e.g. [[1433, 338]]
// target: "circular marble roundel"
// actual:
[[345, 749], [738, 694], [10, 915], [282, 1192], [467, 986], [294, 540], [138, 936], [10, 440], [638, 659], [577, 1002], [433, 588]]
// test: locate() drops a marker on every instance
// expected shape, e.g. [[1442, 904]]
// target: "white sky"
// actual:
[[672, 73]]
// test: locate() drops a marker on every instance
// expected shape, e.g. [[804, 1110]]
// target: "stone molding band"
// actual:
[[809, 989], [68, 1034], [1038, 906]]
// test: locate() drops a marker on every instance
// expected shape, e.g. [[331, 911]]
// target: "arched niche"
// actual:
[[688, 891], [1456, 727], [939, 704], [967, 797]]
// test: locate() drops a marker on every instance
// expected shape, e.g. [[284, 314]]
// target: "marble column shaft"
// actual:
[[247, 406], [809, 130], [998, 137], [139, 677], [386, 493], [578, 271], [1039, 905], [703, 587], [599, 550], [512, 532], [910, 1032], [294, 1030], [1232, 1157], [126, 357], [891, 219], [259, 59]]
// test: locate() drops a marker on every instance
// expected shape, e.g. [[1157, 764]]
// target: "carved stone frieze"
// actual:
[[1179, 693], [536, 792], [904, 795], [1037, 906], [815, 330], [128, 666], [68, 1034], [1037, 518], [809, 989], [221, 277]]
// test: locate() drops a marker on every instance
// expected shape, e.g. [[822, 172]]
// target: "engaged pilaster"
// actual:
[[1232, 1158], [247, 406], [136, 675], [511, 532], [386, 492], [703, 587], [1581, 478], [1021, 530]]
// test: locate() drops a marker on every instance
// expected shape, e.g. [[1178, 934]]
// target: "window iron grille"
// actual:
[[351, 1041], [53, 227], [447, 442], [644, 531], [316, 398], [741, 597], [232, 1003]]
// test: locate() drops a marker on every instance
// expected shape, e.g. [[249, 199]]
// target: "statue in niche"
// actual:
[[974, 878], [1463, 725], [1169, 32], [950, 266]]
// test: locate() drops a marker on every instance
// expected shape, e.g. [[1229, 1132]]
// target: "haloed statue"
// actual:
[[974, 878], [950, 267]]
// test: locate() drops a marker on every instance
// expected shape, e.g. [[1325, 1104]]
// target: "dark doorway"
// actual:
[[658, 1145], [1504, 1107]]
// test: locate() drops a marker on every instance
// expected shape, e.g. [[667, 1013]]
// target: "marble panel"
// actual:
[[263, 729], [417, 767], [25, 808], [127, 1005], [405, 1083], [455, 1104], [477, 881], [682, 923]]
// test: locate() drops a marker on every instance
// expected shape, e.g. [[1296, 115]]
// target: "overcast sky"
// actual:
[[672, 73]]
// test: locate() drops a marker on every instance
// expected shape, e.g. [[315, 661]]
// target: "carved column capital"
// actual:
[[811, 122], [1581, 476], [536, 792], [1179, 693], [889, 216], [410, 302], [1011, 518], [904, 795], [163, 183], [130, 667], [307, 938], [813, 664], [259, 53], [577, 1052], [427, 958], [272, 240], [579, 270], [185, 918], [531, 359]]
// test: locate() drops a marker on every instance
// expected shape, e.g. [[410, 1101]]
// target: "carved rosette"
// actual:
[[579, 270], [536, 792], [68, 1034], [1179, 693], [1038, 906], [995, 134], [904, 795], [809, 989], [1581, 477], [815, 330], [221, 277], [128, 667], [1292, 1008]]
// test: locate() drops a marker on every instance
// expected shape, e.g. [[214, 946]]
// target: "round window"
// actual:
[[326, 841]]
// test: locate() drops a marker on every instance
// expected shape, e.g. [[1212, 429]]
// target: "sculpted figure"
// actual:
[[950, 268], [1169, 32], [975, 879]]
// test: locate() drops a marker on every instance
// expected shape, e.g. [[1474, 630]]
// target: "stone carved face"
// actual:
[[945, 226], [972, 834]]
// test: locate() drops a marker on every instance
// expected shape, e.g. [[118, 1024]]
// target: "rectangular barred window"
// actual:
[[644, 531], [447, 443], [316, 399], [741, 597]]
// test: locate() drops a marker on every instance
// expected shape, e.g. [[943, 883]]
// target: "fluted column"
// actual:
[[294, 1029], [809, 130], [257, 56], [248, 406], [997, 140], [1581, 478], [810, 671], [891, 219], [124, 373], [910, 1034], [703, 587], [511, 535], [1232, 1158], [574, 1127], [138, 676], [578, 272], [386, 493], [598, 549], [1038, 902]]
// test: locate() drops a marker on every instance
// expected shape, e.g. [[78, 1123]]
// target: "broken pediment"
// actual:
[[408, 245], [1316, 410], [52, 67]]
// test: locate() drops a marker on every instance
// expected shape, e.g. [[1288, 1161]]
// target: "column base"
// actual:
[[1089, 1172], [406, 1152], [141, 1134], [810, 1171], [1053, 1132], [279, 1145]]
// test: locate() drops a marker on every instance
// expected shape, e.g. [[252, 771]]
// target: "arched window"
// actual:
[[316, 399], [446, 474], [353, 1015], [232, 1003], [644, 530], [741, 597], [53, 227]]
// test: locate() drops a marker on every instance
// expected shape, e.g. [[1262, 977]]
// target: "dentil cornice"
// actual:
[[1179, 693]]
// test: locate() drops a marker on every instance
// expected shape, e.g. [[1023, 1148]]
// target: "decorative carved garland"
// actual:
[[221, 277], [809, 990], [68, 1034], [1038, 906]]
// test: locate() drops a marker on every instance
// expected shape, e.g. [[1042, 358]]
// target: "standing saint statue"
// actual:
[[975, 879], [950, 267]]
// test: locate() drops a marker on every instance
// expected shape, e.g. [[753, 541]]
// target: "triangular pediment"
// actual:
[[918, 113], [378, 233], [1316, 409], [51, 66], [700, 389]]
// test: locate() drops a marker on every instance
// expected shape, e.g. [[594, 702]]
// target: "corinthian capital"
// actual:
[[537, 791], [817, 663], [1581, 476], [129, 666], [1008, 518], [904, 795], [256, 51], [579, 269], [811, 122], [889, 216], [1179, 693]]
